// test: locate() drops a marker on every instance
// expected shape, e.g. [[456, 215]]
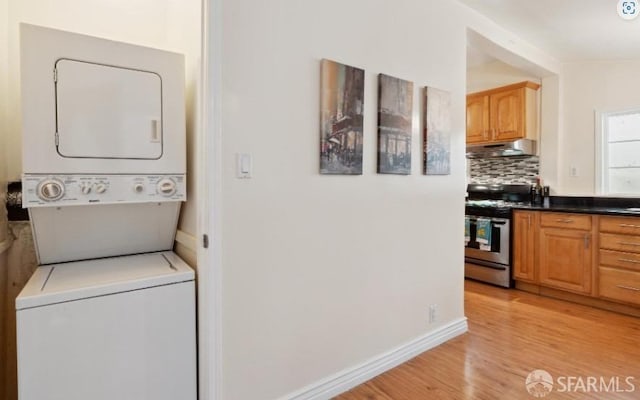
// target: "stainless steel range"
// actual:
[[488, 214]]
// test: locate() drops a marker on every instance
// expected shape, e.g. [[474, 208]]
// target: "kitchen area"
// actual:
[[541, 214]]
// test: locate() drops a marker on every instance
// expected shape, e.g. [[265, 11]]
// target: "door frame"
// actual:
[[209, 205]]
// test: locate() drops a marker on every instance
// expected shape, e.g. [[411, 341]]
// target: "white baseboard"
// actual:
[[351, 377]]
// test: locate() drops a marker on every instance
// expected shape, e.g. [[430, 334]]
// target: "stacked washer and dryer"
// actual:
[[110, 311]]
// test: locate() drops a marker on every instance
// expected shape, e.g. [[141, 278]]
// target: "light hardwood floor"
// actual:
[[512, 333]]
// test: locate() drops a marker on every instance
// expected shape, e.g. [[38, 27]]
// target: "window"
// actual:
[[618, 153]]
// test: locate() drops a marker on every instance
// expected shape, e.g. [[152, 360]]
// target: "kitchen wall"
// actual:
[[504, 170], [172, 25], [588, 87]]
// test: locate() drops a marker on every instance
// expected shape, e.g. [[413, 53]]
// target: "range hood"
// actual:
[[522, 147]]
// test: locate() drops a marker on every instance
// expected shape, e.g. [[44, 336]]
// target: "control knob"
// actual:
[[101, 188], [166, 187], [138, 187], [85, 188], [50, 190]]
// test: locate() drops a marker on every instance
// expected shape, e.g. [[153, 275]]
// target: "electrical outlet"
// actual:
[[433, 313]]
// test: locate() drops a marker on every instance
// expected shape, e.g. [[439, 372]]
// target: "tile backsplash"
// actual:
[[504, 170]]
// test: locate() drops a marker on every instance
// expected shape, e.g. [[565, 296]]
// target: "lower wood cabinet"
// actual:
[[554, 250], [525, 243], [592, 257], [619, 284], [566, 259]]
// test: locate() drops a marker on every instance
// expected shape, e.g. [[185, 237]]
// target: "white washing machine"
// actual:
[[110, 313], [108, 329]]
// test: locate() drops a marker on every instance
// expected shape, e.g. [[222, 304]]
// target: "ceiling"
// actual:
[[569, 30]]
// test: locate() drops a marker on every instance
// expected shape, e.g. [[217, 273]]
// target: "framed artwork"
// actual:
[[341, 119], [395, 108], [437, 132]]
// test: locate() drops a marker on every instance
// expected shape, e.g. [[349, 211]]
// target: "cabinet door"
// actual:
[[524, 246], [565, 259], [507, 114], [477, 119]]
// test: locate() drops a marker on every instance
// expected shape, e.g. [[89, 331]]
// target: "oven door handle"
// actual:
[[494, 221]]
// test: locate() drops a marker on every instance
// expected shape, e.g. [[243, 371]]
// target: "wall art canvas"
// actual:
[[342, 102], [437, 132], [395, 109]]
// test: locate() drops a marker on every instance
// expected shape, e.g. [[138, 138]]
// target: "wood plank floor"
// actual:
[[512, 333]]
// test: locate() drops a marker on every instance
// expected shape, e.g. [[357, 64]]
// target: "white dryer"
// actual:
[[108, 329], [104, 148]]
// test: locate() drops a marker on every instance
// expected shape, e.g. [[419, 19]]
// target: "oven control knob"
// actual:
[[50, 190], [138, 188], [166, 187], [101, 188]]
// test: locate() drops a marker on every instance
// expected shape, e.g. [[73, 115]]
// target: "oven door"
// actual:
[[500, 237]]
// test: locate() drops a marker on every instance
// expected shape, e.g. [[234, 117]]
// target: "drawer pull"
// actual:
[[565, 221], [629, 243], [629, 226], [629, 260], [635, 289]]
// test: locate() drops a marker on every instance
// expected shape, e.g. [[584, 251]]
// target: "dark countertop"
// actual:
[[588, 205]]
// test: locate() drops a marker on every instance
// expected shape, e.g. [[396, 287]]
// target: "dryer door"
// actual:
[[108, 112]]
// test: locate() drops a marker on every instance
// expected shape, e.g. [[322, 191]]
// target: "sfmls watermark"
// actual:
[[540, 383]]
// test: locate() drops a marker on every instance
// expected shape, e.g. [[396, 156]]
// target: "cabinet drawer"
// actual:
[[621, 285], [619, 259], [628, 243], [568, 221], [624, 225]]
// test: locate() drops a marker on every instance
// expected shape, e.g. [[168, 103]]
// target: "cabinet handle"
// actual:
[[629, 243], [529, 220], [565, 221], [629, 260], [586, 241], [635, 289], [629, 226]]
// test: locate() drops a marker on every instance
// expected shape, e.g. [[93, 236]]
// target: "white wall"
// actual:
[[496, 74], [324, 272], [587, 87], [4, 82], [167, 24]]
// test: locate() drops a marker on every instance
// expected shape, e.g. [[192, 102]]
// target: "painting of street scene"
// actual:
[[395, 106], [437, 132], [342, 102]]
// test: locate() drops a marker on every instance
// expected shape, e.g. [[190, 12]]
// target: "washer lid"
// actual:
[[59, 283]]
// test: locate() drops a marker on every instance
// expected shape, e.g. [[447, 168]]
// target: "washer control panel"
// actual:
[[62, 190]]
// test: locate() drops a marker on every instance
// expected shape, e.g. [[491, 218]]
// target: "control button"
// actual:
[[85, 188], [138, 188], [50, 190], [166, 187], [101, 188]]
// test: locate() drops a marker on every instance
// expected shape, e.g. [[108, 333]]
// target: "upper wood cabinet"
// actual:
[[502, 114]]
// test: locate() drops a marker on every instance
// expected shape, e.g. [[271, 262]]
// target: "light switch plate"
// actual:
[[243, 165]]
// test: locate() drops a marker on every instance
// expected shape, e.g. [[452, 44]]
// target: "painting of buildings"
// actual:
[[437, 132], [395, 107], [342, 101]]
